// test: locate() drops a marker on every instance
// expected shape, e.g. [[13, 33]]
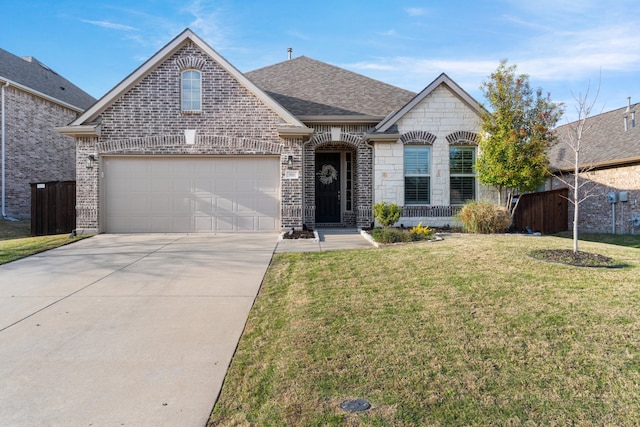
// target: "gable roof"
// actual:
[[605, 143], [386, 125], [84, 125], [308, 88], [31, 74]]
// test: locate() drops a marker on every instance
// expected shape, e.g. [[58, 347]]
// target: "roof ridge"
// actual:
[[336, 67]]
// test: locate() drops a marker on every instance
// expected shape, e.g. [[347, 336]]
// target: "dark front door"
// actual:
[[328, 187]]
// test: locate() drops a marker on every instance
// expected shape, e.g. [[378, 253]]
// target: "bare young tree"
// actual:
[[574, 139]]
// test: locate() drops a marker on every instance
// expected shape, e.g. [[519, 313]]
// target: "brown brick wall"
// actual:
[[34, 151], [148, 120], [595, 213], [152, 107]]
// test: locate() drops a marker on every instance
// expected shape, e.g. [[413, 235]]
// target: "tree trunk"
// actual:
[[576, 203]]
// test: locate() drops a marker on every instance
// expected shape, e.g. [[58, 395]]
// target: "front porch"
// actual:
[[338, 178]]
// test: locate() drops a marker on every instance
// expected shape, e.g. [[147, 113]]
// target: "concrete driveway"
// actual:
[[125, 330]]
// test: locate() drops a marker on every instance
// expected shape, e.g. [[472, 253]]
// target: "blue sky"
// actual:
[[564, 46]]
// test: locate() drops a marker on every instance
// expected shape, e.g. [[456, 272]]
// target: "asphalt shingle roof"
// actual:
[[33, 74], [307, 87], [605, 142]]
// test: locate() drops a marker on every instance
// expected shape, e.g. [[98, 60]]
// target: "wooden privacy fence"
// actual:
[[53, 207], [546, 212]]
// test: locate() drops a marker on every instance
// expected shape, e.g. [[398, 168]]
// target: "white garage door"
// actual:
[[188, 194]]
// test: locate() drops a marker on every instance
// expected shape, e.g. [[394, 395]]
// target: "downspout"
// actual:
[[4, 211]]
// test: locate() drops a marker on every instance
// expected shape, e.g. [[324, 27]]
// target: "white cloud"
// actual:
[[582, 53], [298, 35], [416, 11], [429, 68], [207, 23], [110, 25], [388, 33]]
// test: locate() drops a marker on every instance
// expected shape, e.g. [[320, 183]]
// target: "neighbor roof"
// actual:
[[308, 87], [33, 74], [604, 142]]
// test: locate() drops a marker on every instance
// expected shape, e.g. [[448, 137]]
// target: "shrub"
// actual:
[[390, 235], [484, 218], [420, 232], [387, 214]]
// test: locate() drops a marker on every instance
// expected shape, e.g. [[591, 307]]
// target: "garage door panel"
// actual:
[[204, 206], [267, 207], [160, 185], [224, 223], [247, 223], [246, 186], [151, 194], [181, 185], [160, 204], [204, 223], [204, 185], [225, 168], [181, 224], [246, 205], [156, 224], [224, 185], [266, 223], [181, 206]]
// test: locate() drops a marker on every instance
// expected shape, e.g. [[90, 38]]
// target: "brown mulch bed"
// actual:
[[578, 259], [299, 234]]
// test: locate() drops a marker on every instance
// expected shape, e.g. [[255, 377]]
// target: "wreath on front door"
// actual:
[[327, 174]]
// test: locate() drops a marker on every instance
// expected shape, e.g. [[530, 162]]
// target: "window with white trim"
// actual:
[[417, 174], [191, 90], [462, 178]]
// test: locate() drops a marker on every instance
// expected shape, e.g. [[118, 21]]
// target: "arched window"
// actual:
[[191, 90]]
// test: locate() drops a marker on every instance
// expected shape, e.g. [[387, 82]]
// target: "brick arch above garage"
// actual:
[[204, 144]]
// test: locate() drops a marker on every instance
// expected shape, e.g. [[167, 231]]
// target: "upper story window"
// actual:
[[191, 90], [417, 174], [462, 178]]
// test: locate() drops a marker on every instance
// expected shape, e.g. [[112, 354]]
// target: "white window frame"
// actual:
[[422, 174], [190, 103], [470, 174]]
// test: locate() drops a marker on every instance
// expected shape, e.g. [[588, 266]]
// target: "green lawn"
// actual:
[[630, 240], [14, 229], [467, 331], [15, 242]]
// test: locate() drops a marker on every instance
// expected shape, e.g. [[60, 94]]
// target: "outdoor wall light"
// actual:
[[290, 162], [91, 159]]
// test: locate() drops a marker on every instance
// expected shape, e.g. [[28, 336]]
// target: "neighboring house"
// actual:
[[610, 151], [35, 99], [187, 143]]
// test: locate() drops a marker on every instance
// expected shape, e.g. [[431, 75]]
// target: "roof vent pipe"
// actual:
[[628, 104], [289, 51]]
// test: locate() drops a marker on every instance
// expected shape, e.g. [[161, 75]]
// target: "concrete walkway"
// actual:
[[125, 330], [328, 239]]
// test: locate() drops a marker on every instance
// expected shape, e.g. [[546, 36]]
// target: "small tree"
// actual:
[[387, 214], [573, 138], [516, 135]]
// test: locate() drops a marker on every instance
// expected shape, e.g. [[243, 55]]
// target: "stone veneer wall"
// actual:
[[147, 120], [34, 151], [439, 118], [351, 140], [595, 213]]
